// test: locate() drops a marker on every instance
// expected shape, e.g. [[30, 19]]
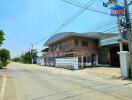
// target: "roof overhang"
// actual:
[[110, 41], [61, 36]]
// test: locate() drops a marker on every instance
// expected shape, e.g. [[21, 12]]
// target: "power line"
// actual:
[[49, 35], [113, 31], [80, 5], [84, 7], [23, 51], [103, 26], [70, 19], [109, 29], [67, 21], [79, 12]]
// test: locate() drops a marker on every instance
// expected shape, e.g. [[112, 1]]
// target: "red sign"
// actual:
[[117, 11]]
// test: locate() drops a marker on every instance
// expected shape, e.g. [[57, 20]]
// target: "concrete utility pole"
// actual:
[[125, 57], [129, 33], [120, 34], [115, 2], [119, 29]]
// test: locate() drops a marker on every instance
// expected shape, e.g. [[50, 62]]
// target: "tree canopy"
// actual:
[[1, 37], [4, 57], [4, 53]]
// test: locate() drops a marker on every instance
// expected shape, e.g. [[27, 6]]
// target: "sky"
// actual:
[[28, 21]]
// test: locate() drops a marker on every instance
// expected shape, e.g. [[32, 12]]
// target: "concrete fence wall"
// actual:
[[67, 62], [40, 61]]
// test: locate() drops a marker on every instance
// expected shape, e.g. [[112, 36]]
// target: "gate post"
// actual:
[[125, 64]]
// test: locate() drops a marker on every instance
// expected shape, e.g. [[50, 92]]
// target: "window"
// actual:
[[51, 48], [85, 43], [60, 45], [54, 47], [76, 42]]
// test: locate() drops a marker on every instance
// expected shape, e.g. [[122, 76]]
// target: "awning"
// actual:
[[111, 41]]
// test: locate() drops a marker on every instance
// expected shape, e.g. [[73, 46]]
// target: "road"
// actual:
[[31, 82]]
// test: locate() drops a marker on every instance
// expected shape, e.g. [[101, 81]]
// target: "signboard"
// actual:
[[110, 41], [117, 11]]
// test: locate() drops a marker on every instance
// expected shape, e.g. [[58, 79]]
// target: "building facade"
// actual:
[[90, 48]]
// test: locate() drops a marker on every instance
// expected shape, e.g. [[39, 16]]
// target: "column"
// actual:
[[124, 64]]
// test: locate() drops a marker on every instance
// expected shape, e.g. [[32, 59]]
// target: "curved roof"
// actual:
[[60, 36], [57, 37]]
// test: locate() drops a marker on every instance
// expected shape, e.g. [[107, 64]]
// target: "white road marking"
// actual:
[[3, 88]]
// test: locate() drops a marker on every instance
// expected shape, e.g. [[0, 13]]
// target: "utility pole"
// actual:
[[120, 34], [115, 2], [32, 52], [125, 57], [129, 32], [119, 30]]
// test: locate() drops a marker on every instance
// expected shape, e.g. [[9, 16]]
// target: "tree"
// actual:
[[27, 57], [4, 57], [1, 37], [17, 59]]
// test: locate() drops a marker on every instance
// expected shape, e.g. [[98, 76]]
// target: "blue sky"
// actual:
[[28, 21]]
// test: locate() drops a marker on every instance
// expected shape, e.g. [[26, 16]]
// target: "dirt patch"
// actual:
[[1, 77], [109, 71]]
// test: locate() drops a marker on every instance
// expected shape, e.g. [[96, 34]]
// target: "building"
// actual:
[[41, 56], [92, 49]]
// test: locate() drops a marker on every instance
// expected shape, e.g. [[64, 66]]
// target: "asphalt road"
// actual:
[[30, 82]]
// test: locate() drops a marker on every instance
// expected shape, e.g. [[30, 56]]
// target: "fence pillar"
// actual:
[[124, 64]]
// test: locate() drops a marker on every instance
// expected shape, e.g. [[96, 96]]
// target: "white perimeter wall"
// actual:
[[67, 62]]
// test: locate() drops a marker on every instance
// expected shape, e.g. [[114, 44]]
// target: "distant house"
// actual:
[[92, 49], [41, 57]]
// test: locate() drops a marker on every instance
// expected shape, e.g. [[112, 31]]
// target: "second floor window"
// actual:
[[60, 45], [76, 42], [85, 43], [51, 48]]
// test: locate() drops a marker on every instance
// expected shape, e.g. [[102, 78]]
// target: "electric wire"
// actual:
[[114, 31], [68, 20], [74, 16], [84, 7], [65, 23], [105, 25], [79, 12], [81, 6], [109, 29]]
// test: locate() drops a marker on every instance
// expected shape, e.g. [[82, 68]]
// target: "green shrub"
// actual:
[[1, 65], [4, 63]]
